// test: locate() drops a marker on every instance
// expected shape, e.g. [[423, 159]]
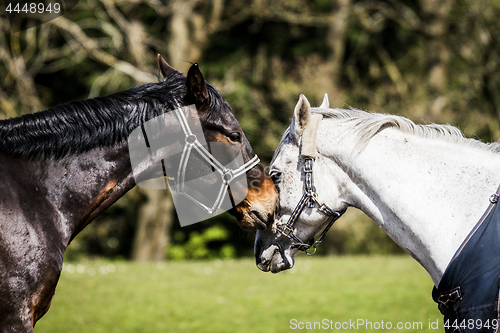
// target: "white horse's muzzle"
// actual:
[[273, 253]]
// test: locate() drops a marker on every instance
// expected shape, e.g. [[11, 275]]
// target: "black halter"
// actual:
[[309, 198]]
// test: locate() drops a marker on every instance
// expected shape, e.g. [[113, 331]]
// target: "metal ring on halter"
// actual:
[[311, 254], [227, 176], [191, 139]]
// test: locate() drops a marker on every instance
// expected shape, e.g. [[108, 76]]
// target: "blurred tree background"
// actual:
[[428, 60]]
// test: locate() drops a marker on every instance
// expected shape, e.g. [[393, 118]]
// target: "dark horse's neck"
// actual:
[[70, 191], [59, 169], [77, 155]]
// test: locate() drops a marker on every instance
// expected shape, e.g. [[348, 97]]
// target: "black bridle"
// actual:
[[309, 199]]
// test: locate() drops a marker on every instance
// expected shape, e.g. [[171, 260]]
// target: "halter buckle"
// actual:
[[313, 195], [301, 246], [286, 230], [494, 198]]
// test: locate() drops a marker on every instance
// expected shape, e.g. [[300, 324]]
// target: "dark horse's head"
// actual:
[[220, 125], [62, 167], [71, 130]]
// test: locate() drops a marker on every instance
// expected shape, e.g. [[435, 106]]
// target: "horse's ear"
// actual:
[[301, 115], [165, 68], [326, 103], [197, 88]]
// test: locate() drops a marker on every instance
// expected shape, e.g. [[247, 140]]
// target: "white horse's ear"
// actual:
[[326, 103], [301, 115]]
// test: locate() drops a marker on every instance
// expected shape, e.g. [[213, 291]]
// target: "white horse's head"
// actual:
[[388, 167], [273, 251]]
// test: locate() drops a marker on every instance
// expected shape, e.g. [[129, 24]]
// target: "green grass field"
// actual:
[[234, 296]]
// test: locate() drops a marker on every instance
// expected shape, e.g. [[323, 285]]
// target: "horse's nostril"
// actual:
[[259, 220]]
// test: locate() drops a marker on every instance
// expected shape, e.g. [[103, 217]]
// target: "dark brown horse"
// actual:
[[62, 167]]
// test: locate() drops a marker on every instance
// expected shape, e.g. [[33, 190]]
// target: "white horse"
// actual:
[[426, 186]]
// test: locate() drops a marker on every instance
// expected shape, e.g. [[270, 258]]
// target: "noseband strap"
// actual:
[[310, 197]]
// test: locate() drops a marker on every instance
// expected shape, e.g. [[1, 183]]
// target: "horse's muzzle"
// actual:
[[272, 257]]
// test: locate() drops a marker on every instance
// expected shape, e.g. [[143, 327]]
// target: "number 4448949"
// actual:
[[33, 8], [477, 324]]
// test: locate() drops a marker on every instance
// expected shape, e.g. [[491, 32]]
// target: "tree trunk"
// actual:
[[188, 36], [153, 227], [438, 52], [336, 39]]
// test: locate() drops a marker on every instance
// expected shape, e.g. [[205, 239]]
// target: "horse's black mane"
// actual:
[[80, 126]]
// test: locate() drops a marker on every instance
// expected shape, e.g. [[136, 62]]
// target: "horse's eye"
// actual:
[[235, 136]]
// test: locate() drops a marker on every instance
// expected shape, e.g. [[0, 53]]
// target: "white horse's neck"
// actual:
[[426, 194]]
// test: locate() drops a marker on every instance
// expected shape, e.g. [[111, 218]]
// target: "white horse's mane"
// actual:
[[368, 124]]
